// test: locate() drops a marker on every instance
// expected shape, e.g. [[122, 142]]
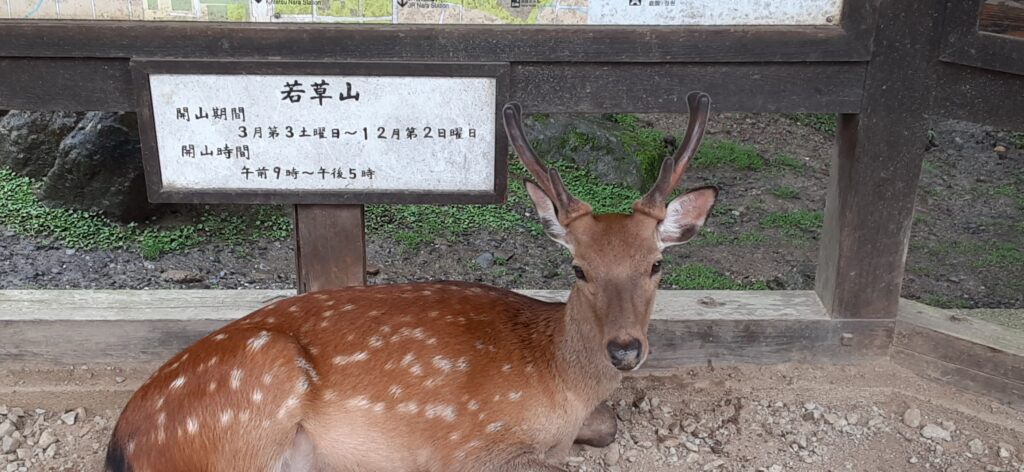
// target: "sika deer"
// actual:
[[433, 377]]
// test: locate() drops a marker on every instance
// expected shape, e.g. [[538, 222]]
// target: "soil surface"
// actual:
[[965, 249], [873, 417]]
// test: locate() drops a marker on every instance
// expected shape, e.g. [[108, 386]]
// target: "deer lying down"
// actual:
[[432, 377]]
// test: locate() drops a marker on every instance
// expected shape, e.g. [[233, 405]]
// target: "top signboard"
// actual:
[[511, 12]]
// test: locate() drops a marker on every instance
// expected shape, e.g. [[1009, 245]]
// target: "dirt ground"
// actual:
[[871, 417]]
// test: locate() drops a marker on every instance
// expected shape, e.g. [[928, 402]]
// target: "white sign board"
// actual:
[[442, 12], [324, 133]]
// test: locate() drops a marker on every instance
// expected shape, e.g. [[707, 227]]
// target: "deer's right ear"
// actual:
[[547, 213]]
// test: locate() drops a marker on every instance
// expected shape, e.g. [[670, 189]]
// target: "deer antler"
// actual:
[[568, 207], [672, 168]]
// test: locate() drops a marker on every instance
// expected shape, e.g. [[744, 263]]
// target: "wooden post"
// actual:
[[870, 201], [330, 246]]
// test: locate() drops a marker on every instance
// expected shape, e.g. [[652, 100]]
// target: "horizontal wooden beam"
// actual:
[[688, 327], [450, 43], [106, 85], [980, 96]]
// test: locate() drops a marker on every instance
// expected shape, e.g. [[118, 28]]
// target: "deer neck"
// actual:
[[582, 354]]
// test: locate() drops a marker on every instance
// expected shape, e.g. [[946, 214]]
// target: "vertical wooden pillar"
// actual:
[[330, 246], [874, 174]]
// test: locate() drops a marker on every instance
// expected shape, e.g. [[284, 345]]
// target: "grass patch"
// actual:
[[726, 153], [784, 162], [824, 122], [21, 211], [785, 192], [940, 301], [709, 237], [1017, 140], [702, 277], [647, 144], [1009, 192], [796, 224], [983, 254], [575, 140]]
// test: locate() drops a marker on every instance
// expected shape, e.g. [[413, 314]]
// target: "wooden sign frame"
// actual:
[[142, 69]]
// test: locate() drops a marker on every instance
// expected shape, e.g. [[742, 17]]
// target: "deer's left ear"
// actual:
[[685, 215]]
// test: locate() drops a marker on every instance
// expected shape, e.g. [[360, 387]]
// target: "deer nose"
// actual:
[[625, 356]]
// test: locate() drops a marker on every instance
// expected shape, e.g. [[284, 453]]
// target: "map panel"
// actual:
[[507, 12]]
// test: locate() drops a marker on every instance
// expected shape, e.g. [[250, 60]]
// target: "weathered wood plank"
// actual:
[[963, 43], [141, 305], [980, 96], [754, 87], [835, 87], [961, 341], [687, 327], [65, 84], [330, 246], [1007, 391], [686, 342], [451, 43], [870, 199]]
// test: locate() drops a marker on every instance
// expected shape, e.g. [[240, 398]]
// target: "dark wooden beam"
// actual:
[[106, 85], [760, 87], [980, 96], [330, 246], [963, 43], [66, 84], [870, 200], [452, 43]]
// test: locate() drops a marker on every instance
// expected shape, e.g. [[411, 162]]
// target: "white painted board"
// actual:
[[442, 12], [714, 12], [324, 133]]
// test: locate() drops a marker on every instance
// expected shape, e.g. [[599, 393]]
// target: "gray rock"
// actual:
[[976, 446], [99, 168], [29, 141], [9, 444], [485, 260], [46, 439], [713, 465], [612, 455], [181, 276], [69, 417], [934, 431], [591, 142], [912, 417], [7, 428]]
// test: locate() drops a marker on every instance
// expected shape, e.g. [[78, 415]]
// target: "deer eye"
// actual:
[[579, 273], [656, 268]]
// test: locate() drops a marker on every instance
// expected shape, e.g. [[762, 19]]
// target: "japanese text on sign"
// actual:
[[324, 133]]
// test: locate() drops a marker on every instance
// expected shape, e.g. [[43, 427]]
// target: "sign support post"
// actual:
[[330, 247]]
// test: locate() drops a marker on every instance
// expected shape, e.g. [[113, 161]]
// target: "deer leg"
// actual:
[[301, 456], [528, 463], [599, 428]]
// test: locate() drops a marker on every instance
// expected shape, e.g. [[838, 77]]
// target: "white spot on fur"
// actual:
[[442, 363], [360, 401], [506, 368], [495, 427], [220, 337], [376, 341], [454, 436], [192, 425], [390, 365], [379, 407], [236, 379], [462, 363], [408, 359], [213, 386], [408, 407], [357, 357], [268, 378], [302, 385], [226, 416], [433, 382], [348, 307], [431, 341], [514, 396], [270, 319], [293, 308], [327, 313], [395, 390], [160, 401], [178, 382], [131, 446], [441, 410], [258, 341], [308, 369], [257, 396], [416, 370], [473, 405], [287, 405], [385, 329], [160, 420]]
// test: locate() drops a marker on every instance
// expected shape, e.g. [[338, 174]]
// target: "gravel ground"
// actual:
[[874, 417]]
